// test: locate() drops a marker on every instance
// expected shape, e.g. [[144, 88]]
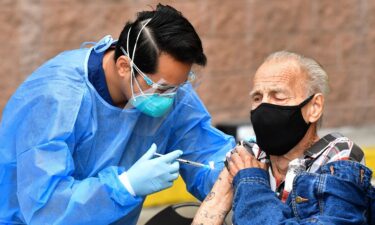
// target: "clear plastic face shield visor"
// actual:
[[156, 100]]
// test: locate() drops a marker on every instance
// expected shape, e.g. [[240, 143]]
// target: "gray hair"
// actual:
[[317, 77]]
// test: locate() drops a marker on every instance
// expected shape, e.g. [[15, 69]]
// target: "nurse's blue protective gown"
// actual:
[[62, 147]]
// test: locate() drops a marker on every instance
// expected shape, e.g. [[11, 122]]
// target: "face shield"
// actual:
[[156, 100]]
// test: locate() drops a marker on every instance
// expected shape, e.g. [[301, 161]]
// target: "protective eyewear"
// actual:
[[160, 85]]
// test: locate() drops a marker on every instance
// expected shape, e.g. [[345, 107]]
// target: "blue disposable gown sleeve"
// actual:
[[200, 142], [47, 191], [255, 203]]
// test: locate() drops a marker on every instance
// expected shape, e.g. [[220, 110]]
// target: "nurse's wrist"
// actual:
[[125, 181]]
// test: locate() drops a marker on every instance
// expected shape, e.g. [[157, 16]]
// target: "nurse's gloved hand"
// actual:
[[149, 174]]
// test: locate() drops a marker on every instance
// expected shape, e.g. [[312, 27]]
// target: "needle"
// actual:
[[188, 162]]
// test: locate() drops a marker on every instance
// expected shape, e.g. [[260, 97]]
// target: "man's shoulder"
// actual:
[[336, 144], [333, 147]]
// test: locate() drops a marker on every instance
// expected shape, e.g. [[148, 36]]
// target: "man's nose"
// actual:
[[266, 99]]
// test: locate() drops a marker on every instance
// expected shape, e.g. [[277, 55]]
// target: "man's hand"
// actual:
[[242, 159]]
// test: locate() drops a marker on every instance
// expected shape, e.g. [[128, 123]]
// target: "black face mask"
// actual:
[[279, 128]]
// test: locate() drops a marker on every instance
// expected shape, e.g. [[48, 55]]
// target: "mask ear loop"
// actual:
[[131, 73], [145, 77], [131, 62], [306, 101]]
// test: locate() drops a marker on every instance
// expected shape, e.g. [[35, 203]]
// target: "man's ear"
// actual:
[[123, 66], [315, 108]]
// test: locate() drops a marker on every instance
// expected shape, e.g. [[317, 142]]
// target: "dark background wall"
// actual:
[[236, 35]]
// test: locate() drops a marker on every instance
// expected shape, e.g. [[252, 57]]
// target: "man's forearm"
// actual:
[[217, 203], [211, 211]]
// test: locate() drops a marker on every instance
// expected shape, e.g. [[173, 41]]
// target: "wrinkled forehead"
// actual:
[[284, 75]]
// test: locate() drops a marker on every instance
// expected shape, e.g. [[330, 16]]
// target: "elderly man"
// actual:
[[291, 176]]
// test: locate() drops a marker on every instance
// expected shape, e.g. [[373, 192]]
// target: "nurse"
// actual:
[[78, 137]]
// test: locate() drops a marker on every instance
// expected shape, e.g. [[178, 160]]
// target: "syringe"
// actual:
[[192, 163]]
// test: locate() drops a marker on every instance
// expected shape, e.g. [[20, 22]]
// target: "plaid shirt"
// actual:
[[330, 148]]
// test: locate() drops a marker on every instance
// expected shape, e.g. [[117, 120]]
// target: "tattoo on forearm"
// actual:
[[210, 196], [204, 213], [209, 213], [204, 217]]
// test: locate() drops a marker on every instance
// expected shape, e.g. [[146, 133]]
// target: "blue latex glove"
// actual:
[[149, 175]]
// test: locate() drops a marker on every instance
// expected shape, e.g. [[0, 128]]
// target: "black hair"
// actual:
[[167, 32]]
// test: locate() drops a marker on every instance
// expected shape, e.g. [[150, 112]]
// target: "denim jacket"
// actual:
[[339, 192]]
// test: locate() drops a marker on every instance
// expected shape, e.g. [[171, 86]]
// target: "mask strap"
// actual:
[[131, 72], [306, 101], [131, 62], [136, 40], [133, 57]]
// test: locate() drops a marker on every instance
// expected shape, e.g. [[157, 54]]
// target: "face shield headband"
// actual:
[[156, 100]]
